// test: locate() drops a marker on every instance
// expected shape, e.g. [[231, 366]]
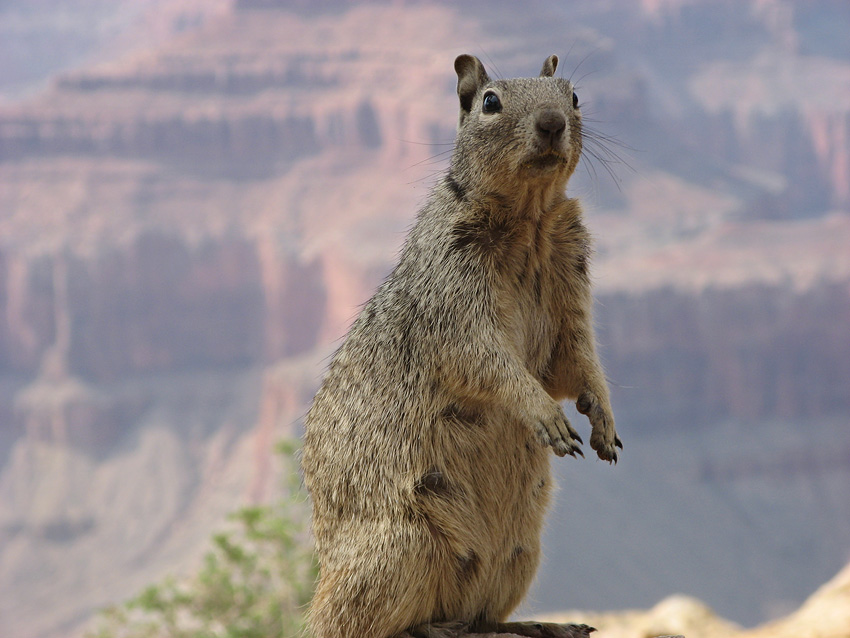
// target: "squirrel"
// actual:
[[426, 448]]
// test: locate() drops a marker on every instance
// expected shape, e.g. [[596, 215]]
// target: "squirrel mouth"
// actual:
[[547, 160]]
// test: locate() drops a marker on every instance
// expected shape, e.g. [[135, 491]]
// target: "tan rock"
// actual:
[[826, 614], [676, 615]]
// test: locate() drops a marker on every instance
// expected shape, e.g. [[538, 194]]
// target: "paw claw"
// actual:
[[575, 450], [555, 430]]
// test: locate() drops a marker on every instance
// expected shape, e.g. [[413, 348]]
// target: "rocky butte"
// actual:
[[186, 233]]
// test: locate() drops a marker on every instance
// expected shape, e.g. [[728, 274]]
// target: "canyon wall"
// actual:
[[186, 234], [750, 353]]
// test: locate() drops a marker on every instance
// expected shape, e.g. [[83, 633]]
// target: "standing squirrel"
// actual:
[[426, 447]]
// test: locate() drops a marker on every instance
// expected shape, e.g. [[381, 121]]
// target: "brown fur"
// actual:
[[426, 449]]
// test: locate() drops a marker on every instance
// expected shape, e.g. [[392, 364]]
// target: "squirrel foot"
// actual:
[[436, 630], [603, 437], [553, 429], [534, 629]]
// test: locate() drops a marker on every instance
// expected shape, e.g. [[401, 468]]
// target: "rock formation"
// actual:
[[185, 233], [826, 614]]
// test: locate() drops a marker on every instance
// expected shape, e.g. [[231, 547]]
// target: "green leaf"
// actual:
[[255, 581]]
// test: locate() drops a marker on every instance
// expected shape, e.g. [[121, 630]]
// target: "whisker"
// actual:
[[598, 135], [493, 65], [605, 164], [567, 57], [583, 60], [609, 154], [588, 74], [605, 155], [590, 169], [597, 148], [426, 143], [433, 159], [429, 175]]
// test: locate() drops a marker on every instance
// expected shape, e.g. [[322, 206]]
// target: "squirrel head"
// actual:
[[518, 132]]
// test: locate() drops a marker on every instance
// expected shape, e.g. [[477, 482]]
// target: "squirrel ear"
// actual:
[[549, 67], [470, 77]]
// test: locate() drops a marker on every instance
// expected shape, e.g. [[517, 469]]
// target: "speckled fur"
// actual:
[[427, 446]]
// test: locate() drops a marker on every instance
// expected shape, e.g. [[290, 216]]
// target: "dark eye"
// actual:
[[575, 100], [492, 104]]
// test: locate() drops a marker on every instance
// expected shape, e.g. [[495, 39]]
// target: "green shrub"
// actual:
[[255, 582]]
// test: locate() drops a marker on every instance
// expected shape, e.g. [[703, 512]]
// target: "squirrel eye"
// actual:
[[492, 104], [575, 100]]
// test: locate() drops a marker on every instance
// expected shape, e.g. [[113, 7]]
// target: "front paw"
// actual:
[[603, 437], [551, 427]]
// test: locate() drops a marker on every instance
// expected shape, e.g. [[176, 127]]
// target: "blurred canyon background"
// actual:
[[197, 195]]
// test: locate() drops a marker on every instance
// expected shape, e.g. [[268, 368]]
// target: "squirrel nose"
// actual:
[[550, 124]]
